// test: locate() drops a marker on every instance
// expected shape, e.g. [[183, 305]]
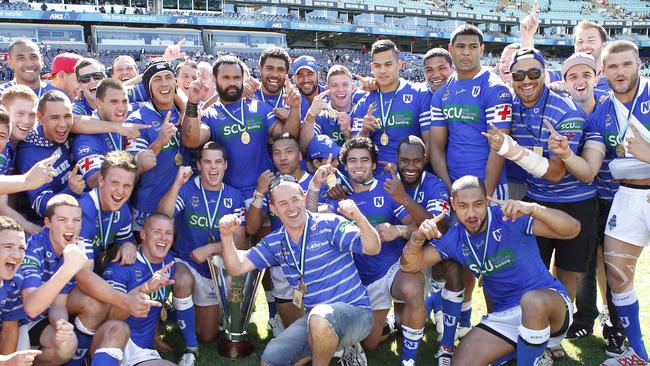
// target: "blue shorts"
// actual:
[[350, 323]]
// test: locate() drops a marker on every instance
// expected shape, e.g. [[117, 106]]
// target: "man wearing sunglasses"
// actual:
[[534, 108], [89, 73]]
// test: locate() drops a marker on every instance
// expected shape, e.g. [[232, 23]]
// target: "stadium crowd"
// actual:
[[364, 194]]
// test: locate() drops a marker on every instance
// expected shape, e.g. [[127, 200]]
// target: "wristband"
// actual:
[[192, 110], [256, 202]]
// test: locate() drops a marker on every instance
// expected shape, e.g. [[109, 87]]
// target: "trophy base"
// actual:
[[232, 349]]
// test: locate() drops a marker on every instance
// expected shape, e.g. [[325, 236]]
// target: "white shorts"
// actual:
[[505, 324], [379, 291], [281, 287], [204, 293], [629, 217], [134, 355]]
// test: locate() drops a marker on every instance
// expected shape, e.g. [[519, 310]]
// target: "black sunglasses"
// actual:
[[282, 178], [533, 74], [85, 79]]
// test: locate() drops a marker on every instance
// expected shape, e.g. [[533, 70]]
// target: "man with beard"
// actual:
[[274, 68], [610, 128], [89, 73], [163, 138], [530, 308], [305, 77], [392, 112], [381, 273], [547, 179], [26, 62], [331, 118], [62, 75], [198, 204], [242, 127]]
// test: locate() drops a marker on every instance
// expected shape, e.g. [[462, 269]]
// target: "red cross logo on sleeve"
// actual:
[[88, 162], [505, 112]]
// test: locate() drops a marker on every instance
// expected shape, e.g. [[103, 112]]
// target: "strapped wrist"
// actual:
[[192, 110]]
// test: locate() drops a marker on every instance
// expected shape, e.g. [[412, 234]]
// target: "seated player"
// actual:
[[530, 308]]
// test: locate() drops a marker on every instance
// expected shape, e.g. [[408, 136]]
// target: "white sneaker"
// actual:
[[276, 325], [628, 358], [408, 363], [188, 358], [440, 324], [390, 320], [353, 356], [444, 355]]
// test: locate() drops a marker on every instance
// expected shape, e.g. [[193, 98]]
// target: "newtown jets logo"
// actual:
[[379, 201], [475, 91], [420, 197], [116, 217], [408, 98], [227, 202], [645, 107], [449, 320]]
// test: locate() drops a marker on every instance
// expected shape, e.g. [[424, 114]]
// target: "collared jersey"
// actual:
[[529, 131], [42, 89], [245, 161], [153, 184], [330, 272], [36, 148], [193, 224], [90, 151], [512, 264], [402, 119], [467, 107], [118, 231], [430, 193], [82, 108], [126, 278]]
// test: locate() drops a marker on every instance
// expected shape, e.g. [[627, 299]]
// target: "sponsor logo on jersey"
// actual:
[[462, 113]]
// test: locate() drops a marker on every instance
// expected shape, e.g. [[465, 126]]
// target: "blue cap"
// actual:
[[321, 146], [304, 61], [527, 53]]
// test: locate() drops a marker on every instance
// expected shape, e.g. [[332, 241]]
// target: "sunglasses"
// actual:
[[533, 74], [282, 178], [85, 79]]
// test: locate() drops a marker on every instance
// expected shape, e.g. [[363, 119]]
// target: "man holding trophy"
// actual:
[[315, 253]]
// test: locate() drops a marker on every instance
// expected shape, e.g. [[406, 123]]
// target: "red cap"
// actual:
[[63, 62]]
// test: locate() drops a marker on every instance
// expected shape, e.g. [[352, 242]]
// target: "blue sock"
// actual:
[[451, 305], [433, 301], [107, 357], [270, 300], [627, 306], [466, 315], [510, 356], [411, 342], [531, 344], [186, 320], [83, 343]]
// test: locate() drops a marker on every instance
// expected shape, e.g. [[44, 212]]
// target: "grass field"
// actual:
[[585, 351]]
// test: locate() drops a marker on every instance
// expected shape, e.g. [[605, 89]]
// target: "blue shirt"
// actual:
[[40, 264], [512, 263], [330, 273], [7, 159], [193, 226], [156, 182], [11, 303], [82, 108], [115, 227], [90, 151], [467, 107], [42, 89], [402, 109], [126, 278], [430, 193], [36, 148], [529, 131], [273, 101], [326, 125], [245, 161]]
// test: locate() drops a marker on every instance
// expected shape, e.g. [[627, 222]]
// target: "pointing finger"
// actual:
[[140, 126], [635, 131], [50, 160], [550, 128], [495, 200], [323, 94], [440, 216], [329, 159], [494, 128], [75, 170], [167, 267], [181, 43], [535, 7], [168, 117]]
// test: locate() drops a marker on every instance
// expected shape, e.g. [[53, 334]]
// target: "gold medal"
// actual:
[[163, 313], [302, 287], [297, 299], [384, 139], [538, 150], [245, 138], [620, 150], [178, 159], [332, 113], [331, 180]]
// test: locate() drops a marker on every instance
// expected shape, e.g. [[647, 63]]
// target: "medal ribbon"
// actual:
[[300, 268], [160, 291], [104, 235], [385, 114], [241, 121], [619, 137], [485, 241], [115, 145], [277, 102], [211, 217]]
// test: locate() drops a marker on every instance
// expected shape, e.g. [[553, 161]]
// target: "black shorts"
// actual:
[[603, 208], [573, 254], [36, 331]]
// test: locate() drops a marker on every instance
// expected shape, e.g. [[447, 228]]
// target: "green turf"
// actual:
[[585, 351]]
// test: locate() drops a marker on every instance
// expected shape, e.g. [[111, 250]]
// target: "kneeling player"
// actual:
[[531, 308]]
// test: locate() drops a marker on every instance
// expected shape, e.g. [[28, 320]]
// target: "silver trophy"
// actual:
[[236, 296]]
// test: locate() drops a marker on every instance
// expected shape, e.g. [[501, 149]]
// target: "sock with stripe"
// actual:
[[627, 306]]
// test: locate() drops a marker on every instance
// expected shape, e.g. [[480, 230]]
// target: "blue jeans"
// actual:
[[350, 323]]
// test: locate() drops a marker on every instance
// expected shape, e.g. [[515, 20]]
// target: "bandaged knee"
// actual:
[[82, 328], [182, 303], [534, 164]]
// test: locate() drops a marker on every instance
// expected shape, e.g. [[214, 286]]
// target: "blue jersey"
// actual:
[[40, 264], [425, 105], [82, 108], [305, 103], [245, 161], [430, 193], [44, 87], [137, 94], [36, 148], [126, 278], [11, 303], [326, 125], [401, 113], [193, 226], [7, 159], [529, 131], [90, 151], [467, 107], [156, 182], [114, 228], [330, 273], [512, 264], [275, 221], [273, 101]]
